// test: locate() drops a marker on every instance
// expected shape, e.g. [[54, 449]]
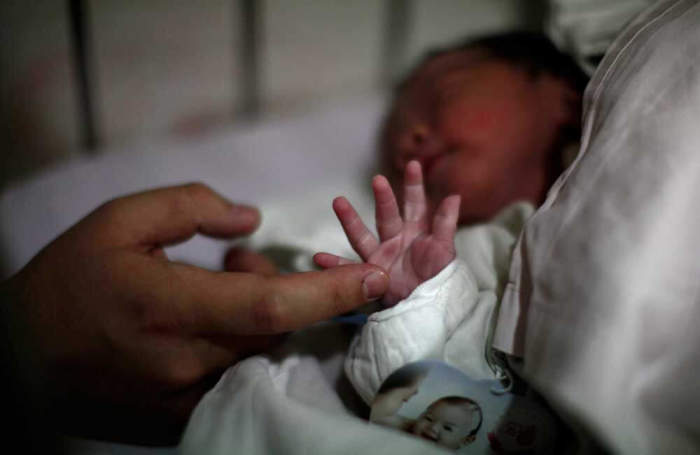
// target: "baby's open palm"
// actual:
[[411, 249]]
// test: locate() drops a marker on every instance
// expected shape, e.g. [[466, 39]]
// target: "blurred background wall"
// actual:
[[182, 67]]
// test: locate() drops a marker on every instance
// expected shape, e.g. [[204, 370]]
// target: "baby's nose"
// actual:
[[419, 134], [415, 138], [434, 429], [418, 143]]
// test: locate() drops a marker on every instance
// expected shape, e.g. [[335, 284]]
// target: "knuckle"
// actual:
[[338, 301], [189, 198], [100, 225], [111, 208], [197, 191], [364, 239], [267, 315]]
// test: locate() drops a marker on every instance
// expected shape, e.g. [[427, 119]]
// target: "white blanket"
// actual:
[[298, 401]]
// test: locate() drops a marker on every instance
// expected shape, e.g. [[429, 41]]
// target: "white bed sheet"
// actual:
[[328, 148]]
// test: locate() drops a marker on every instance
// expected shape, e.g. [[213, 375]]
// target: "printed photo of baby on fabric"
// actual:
[[435, 402]]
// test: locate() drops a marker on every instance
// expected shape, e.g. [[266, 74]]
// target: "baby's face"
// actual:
[[481, 128], [448, 425]]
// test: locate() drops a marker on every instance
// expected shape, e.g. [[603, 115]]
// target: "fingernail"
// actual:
[[246, 214], [374, 285]]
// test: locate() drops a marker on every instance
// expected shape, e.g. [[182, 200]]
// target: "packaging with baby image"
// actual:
[[438, 403]]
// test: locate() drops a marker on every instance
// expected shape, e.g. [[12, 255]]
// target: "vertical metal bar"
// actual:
[[80, 38], [249, 60], [397, 23]]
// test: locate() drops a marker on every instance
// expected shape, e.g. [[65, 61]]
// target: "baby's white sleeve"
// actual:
[[445, 318]]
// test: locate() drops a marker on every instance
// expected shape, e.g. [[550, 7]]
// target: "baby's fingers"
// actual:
[[415, 205], [361, 239], [445, 219], [327, 260], [388, 218]]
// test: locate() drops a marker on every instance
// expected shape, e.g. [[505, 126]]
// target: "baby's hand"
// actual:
[[410, 249]]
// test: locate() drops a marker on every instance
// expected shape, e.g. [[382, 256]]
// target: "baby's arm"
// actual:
[[410, 248]]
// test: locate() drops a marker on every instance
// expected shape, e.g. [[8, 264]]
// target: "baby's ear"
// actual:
[[565, 109]]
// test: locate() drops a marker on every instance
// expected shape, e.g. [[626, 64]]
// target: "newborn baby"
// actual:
[[473, 130]]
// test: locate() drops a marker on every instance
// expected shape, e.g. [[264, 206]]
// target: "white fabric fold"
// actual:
[[606, 297], [288, 406], [585, 28]]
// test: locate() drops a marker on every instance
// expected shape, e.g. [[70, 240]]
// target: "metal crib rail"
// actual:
[[396, 23]]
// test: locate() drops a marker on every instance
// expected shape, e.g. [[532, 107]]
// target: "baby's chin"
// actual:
[[467, 218], [474, 211], [467, 213]]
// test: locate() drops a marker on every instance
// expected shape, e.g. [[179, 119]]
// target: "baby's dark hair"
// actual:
[[532, 52]]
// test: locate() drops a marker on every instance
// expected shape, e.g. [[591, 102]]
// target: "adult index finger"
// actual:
[[248, 304], [169, 215]]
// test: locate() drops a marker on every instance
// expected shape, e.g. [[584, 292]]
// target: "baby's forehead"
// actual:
[[462, 406], [445, 63], [458, 69]]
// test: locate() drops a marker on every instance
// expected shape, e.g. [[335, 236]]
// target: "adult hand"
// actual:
[[125, 342]]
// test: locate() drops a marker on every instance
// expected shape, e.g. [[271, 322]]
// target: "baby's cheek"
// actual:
[[467, 177], [418, 427], [473, 181]]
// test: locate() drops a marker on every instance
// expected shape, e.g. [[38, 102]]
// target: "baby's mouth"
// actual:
[[428, 437], [429, 163]]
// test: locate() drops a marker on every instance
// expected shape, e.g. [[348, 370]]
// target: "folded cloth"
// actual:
[[290, 403], [585, 28], [604, 302]]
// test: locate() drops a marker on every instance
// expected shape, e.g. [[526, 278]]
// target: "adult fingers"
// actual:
[[239, 259], [445, 219], [386, 210], [248, 304], [327, 260], [170, 215], [415, 204], [361, 239]]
